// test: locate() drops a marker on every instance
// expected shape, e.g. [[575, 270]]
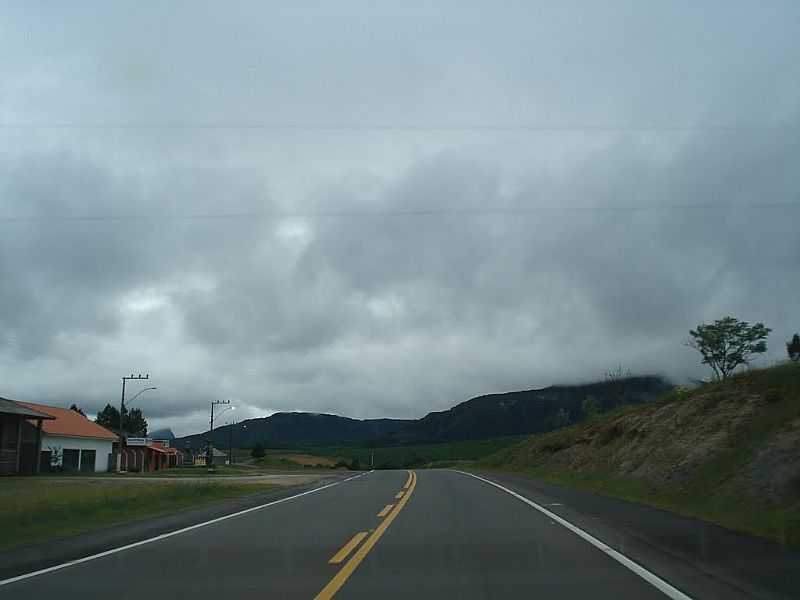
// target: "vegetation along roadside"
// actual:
[[35, 510], [726, 452]]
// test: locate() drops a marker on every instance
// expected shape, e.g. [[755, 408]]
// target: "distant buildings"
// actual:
[[219, 457], [148, 455], [38, 438]]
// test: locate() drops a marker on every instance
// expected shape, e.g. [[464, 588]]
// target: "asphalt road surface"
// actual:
[[384, 534]]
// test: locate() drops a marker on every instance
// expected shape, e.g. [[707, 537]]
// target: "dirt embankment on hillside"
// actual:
[[739, 437]]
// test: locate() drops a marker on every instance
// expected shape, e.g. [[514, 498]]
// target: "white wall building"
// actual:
[[82, 454], [73, 442]]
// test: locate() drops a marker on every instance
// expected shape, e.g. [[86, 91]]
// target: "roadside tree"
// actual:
[[108, 417], [728, 343], [793, 348]]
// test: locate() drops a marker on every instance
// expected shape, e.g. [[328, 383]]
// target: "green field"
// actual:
[[35, 510], [386, 457], [420, 456]]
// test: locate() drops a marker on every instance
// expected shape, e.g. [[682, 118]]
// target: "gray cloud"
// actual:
[[381, 213]]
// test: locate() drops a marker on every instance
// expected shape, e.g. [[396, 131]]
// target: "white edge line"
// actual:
[[649, 577], [164, 536]]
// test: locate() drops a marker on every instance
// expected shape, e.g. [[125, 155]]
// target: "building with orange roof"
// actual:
[[71, 442], [146, 454]]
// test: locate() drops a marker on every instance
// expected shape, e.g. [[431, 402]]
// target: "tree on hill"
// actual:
[[793, 348], [591, 407], [77, 409], [728, 343], [562, 417], [617, 374], [617, 379], [258, 451]]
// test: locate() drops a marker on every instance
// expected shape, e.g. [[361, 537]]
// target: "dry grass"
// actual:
[[728, 452], [35, 510]]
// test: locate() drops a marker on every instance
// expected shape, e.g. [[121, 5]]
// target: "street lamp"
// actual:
[[230, 425], [125, 379], [135, 396], [121, 444], [209, 453]]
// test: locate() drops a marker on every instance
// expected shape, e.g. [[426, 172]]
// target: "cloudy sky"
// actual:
[[384, 208]]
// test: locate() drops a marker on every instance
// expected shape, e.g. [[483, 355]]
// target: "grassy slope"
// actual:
[[35, 510], [727, 452]]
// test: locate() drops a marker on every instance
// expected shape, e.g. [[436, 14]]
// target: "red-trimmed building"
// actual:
[[147, 455]]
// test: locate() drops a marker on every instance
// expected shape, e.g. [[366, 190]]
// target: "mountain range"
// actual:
[[492, 415]]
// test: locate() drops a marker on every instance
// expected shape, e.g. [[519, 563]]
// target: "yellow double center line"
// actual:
[[351, 565]]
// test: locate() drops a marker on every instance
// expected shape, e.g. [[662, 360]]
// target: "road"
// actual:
[[384, 534]]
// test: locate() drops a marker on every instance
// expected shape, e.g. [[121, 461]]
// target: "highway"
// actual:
[[382, 534]]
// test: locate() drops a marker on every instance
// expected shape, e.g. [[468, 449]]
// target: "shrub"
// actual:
[[258, 451]]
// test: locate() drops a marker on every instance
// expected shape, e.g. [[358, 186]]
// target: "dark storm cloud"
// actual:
[[382, 212]]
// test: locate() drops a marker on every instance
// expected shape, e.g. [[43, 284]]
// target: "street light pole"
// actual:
[[122, 401], [230, 442], [122, 407], [209, 453]]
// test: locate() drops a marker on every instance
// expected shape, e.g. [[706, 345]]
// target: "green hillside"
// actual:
[[527, 411], [728, 452], [480, 418]]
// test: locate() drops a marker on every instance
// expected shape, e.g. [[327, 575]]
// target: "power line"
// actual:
[[382, 127], [423, 212]]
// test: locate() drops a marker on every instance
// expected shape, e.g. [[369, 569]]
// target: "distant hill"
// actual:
[[162, 434], [490, 416], [530, 411], [296, 429]]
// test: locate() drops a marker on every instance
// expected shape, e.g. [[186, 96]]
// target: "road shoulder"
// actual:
[[697, 556]]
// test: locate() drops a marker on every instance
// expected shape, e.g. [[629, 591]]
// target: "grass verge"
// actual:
[[40, 510], [220, 471]]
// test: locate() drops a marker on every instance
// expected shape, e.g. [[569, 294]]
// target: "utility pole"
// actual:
[[230, 442], [371, 446], [122, 406], [209, 453]]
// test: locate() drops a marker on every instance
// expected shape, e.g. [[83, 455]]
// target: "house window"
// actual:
[[87, 461], [70, 459]]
